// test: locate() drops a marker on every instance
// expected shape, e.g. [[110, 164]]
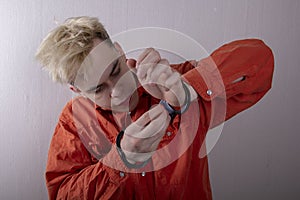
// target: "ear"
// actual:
[[119, 48], [74, 89]]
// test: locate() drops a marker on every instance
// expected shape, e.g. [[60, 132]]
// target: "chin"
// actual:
[[124, 107], [120, 108]]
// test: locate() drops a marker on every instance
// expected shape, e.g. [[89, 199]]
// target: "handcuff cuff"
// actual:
[[172, 112]]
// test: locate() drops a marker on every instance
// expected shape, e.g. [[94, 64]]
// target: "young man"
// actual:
[[137, 128]]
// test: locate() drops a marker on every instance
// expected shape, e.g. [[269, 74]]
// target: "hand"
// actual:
[[158, 79], [142, 137]]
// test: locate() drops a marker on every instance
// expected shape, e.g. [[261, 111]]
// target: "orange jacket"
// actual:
[[75, 172]]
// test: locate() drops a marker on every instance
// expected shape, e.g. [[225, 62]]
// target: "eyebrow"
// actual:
[[112, 71]]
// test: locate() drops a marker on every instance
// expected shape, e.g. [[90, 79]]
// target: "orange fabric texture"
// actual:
[[74, 171]]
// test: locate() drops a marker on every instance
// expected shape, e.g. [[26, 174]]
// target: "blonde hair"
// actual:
[[63, 50]]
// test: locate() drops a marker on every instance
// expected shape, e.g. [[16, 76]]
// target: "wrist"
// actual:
[[179, 110], [129, 163]]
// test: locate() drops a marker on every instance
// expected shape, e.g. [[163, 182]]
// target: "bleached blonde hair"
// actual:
[[64, 49]]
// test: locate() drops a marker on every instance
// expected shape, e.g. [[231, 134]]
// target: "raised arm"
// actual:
[[246, 68]]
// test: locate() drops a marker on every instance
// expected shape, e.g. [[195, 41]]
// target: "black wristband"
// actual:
[[185, 107], [123, 157]]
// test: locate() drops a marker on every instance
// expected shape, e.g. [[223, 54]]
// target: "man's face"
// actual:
[[105, 78]]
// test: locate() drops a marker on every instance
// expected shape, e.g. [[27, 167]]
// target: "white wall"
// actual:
[[257, 154]]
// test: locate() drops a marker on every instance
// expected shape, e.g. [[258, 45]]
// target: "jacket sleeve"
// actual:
[[233, 78], [72, 173]]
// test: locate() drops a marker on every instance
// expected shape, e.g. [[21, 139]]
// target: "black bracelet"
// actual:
[[187, 102], [123, 157]]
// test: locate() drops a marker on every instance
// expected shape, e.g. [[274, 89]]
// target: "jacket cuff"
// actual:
[[114, 166], [206, 80]]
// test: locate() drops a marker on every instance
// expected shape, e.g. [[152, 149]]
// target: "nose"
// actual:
[[116, 91], [116, 86]]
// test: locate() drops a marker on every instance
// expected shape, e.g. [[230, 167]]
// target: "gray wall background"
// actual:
[[257, 155]]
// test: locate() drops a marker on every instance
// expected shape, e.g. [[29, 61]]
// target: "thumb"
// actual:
[[131, 63]]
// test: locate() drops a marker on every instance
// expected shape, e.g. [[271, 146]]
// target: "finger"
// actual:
[[146, 77], [165, 62], [150, 137], [162, 67], [161, 82], [148, 61], [156, 126], [145, 119], [175, 95], [152, 57], [144, 54], [142, 70], [177, 91], [173, 80]]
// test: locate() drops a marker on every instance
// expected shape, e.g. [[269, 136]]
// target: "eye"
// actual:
[[99, 89], [116, 70]]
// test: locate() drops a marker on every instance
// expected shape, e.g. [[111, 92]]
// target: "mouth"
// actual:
[[124, 102]]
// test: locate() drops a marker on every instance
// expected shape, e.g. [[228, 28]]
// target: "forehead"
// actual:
[[96, 65]]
